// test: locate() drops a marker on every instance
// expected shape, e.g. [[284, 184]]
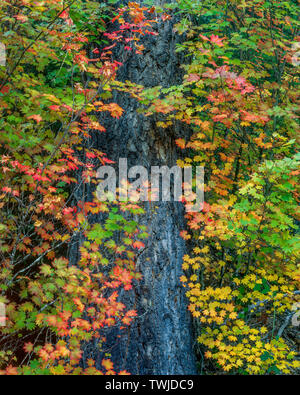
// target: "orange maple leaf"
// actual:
[[36, 118], [107, 364], [180, 143]]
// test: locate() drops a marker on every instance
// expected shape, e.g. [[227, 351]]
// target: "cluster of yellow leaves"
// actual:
[[239, 347], [232, 343]]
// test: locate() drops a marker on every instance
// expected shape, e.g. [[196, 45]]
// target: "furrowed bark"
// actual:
[[160, 339]]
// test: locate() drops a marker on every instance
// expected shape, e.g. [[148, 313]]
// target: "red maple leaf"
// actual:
[[54, 107], [217, 40]]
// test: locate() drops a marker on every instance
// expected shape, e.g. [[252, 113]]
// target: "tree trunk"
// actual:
[[160, 339]]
